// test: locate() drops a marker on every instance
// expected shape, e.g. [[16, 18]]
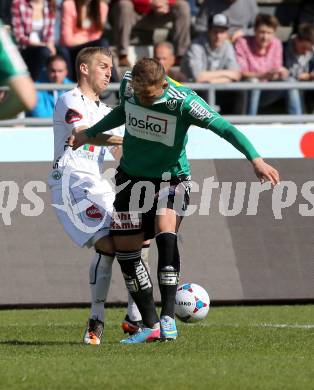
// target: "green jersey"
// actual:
[[11, 62], [156, 136]]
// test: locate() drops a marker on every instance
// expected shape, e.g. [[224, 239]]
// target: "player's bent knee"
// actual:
[[129, 242], [105, 245], [168, 222]]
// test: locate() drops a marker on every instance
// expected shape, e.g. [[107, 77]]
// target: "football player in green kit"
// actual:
[[157, 113], [13, 72]]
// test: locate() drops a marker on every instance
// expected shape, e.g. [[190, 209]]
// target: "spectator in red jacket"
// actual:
[[148, 15], [33, 29]]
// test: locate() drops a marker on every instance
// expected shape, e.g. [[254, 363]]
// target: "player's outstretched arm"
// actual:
[[107, 140], [262, 170], [197, 112], [265, 171], [78, 138], [114, 119]]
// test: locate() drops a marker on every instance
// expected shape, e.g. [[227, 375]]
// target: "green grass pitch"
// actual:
[[257, 347]]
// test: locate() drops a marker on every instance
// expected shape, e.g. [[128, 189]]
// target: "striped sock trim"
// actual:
[[128, 255], [160, 233]]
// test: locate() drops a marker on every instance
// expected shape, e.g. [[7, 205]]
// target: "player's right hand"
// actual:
[[265, 171], [78, 139]]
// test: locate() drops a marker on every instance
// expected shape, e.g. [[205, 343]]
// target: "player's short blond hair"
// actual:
[[85, 56], [148, 71]]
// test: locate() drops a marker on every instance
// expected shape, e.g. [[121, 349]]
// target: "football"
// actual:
[[192, 302]]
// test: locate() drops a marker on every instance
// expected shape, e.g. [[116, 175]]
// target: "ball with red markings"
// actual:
[[192, 302]]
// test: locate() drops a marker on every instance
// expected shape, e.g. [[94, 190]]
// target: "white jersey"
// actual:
[[73, 110], [82, 199]]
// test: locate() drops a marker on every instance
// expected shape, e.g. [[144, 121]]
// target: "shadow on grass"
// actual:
[[39, 343]]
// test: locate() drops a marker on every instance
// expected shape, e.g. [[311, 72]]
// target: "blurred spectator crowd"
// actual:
[[209, 41]]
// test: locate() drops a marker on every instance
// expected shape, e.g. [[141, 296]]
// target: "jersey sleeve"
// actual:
[[115, 118], [71, 111], [119, 131], [197, 112]]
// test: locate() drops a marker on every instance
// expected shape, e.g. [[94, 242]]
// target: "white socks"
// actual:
[[100, 271]]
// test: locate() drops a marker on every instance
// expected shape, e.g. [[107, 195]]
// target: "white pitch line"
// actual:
[[290, 326], [205, 325], [285, 326]]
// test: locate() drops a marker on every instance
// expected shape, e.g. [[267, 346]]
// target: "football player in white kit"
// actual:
[[82, 199]]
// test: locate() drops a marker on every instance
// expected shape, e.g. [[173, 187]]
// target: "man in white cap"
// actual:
[[211, 57], [241, 15]]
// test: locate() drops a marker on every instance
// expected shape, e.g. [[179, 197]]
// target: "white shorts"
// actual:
[[84, 210]]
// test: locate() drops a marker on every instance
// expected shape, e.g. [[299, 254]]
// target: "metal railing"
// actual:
[[210, 89]]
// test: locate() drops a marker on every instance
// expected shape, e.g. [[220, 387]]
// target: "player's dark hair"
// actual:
[[306, 32], [148, 71], [84, 56], [266, 20]]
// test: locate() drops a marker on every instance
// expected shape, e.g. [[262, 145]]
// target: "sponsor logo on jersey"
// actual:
[[72, 116], [125, 220], [83, 154], [198, 111], [172, 104], [151, 123], [93, 212]]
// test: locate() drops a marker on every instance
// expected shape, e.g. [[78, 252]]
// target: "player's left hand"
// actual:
[[78, 139], [265, 171]]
